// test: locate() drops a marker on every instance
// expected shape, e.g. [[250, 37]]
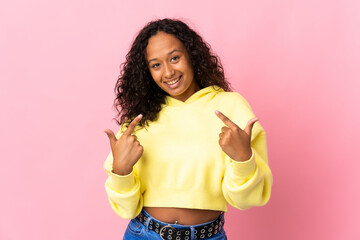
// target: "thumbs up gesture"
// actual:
[[126, 150], [234, 141]]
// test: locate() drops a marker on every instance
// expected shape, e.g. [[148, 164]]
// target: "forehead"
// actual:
[[161, 44]]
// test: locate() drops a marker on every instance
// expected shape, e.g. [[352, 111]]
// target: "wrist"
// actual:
[[122, 170], [243, 157]]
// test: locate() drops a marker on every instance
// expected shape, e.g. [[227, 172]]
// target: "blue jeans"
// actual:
[[136, 230]]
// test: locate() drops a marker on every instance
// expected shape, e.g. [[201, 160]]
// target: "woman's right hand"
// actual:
[[126, 150]]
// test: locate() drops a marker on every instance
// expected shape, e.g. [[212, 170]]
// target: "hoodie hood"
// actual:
[[203, 95]]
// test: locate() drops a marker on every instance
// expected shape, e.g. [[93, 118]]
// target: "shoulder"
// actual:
[[241, 111], [234, 106], [233, 100]]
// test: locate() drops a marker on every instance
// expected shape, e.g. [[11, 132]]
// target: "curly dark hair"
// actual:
[[136, 91]]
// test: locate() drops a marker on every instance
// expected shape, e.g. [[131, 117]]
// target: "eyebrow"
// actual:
[[175, 50]]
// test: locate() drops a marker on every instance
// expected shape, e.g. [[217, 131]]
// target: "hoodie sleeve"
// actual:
[[248, 183], [123, 191]]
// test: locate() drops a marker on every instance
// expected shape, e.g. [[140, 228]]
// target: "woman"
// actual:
[[187, 146]]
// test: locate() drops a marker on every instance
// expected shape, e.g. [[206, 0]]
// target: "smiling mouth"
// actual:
[[174, 81]]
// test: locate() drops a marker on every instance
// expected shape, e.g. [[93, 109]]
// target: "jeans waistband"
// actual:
[[181, 232]]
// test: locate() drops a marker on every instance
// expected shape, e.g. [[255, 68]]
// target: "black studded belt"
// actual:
[[170, 231]]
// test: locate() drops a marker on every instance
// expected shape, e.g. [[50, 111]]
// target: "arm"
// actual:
[[247, 179], [123, 183], [248, 183], [123, 191]]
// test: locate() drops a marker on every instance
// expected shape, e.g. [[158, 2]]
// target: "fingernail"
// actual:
[[216, 111], [139, 116]]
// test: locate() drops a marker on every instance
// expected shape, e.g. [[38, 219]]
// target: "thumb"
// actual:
[[249, 125], [111, 136]]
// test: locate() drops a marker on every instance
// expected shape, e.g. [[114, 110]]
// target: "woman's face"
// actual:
[[170, 66]]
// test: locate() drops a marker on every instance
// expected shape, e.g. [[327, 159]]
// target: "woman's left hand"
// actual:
[[234, 141]]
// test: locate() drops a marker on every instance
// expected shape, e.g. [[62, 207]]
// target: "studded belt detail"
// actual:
[[172, 233]]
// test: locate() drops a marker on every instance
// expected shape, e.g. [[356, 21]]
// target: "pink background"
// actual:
[[296, 62]]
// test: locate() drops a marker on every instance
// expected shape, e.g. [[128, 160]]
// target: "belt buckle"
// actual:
[[163, 228]]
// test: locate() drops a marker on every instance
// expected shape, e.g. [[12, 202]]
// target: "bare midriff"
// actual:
[[183, 216]]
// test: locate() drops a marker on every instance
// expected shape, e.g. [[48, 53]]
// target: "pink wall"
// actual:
[[297, 63]]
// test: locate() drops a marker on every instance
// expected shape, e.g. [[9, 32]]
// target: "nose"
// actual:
[[169, 71]]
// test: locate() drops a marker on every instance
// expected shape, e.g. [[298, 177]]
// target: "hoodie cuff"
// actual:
[[242, 169], [122, 183]]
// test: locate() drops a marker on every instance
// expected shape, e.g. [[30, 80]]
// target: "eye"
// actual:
[[156, 65], [173, 59]]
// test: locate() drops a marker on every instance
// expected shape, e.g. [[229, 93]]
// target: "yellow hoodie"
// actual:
[[183, 164]]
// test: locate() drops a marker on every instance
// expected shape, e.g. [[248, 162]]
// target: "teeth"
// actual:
[[172, 82]]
